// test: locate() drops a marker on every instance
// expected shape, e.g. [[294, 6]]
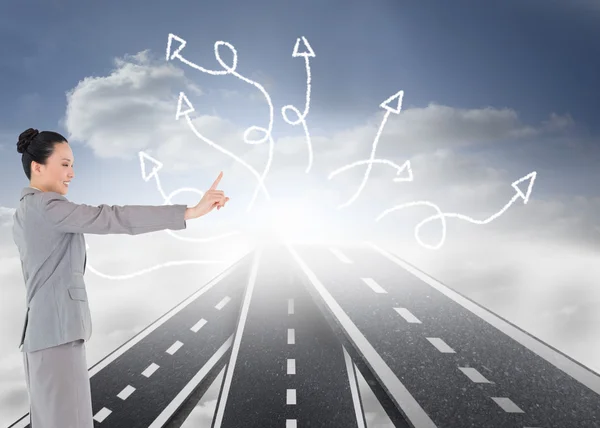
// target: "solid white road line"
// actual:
[[582, 374], [352, 379], [141, 335], [183, 395], [238, 338], [397, 391]]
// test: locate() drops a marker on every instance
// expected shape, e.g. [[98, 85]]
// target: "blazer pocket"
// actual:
[[78, 293]]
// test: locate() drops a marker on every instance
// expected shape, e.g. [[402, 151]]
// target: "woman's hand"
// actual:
[[211, 199]]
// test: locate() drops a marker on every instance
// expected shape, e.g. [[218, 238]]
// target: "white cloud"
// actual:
[[534, 265]]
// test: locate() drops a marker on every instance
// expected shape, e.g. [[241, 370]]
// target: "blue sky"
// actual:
[[493, 91], [537, 58]]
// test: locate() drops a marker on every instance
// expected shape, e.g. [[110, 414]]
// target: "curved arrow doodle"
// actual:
[[385, 105], [230, 70], [307, 53], [186, 113], [442, 216], [156, 166]]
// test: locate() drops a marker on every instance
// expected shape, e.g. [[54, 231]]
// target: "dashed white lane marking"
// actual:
[[222, 403], [174, 347], [582, 374], [290, 306], [397, 391], [198, 325], [340, 255], [291, 336], [474, 375], [507, 405], [150, 370], [441, 345], [291, 366], [291, 423], [358, 410], [374, 286], [185, 392], [291, 397], [222, 303], [407, 315], [144, 333], [102, 414], [126, 392]]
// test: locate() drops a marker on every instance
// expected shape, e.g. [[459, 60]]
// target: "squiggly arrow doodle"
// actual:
[[156, 166], [307, 53], [442, 216], [227, 70], [385, 105]]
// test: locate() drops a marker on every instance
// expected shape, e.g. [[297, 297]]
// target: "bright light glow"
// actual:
[[294, 220]]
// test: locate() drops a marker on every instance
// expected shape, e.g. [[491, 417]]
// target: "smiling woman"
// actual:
[[47, 160]]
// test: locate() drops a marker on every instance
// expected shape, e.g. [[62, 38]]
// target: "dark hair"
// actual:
[[37, 146]]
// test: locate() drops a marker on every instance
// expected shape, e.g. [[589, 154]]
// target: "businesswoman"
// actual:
[[48, 231]]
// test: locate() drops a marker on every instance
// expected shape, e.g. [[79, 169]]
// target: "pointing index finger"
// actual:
[[216, 183]]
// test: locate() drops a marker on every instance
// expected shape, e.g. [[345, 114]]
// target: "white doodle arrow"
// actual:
[[530, 178], [387, 105], [173, 53], [184, 108], [306, 52], [146, 159]]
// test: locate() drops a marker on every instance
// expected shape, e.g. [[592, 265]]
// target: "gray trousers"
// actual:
[[59, 387]]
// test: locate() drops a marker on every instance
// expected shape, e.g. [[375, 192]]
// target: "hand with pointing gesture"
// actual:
[[211, 199]]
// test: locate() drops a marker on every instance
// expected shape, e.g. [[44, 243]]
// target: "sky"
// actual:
[[491, 92]]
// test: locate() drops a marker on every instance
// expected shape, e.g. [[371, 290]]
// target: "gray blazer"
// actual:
[[48, 231]]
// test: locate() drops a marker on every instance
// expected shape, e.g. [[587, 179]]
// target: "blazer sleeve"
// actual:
[[66, 216]]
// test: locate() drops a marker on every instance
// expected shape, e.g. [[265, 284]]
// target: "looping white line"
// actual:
[[301, 117], [266, 132], [442, 216]]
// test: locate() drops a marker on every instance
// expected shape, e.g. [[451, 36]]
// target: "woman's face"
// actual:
[[58, 170]]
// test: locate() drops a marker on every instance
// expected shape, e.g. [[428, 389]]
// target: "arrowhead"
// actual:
[[386, 104], [306, 51], [155, 167], [188, 105], [170, 41], [404, 168], [531, 177]]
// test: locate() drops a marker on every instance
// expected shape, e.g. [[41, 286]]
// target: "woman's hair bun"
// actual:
[[25, 139]]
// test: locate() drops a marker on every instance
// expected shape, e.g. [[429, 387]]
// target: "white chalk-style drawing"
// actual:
[[306, 52], [145, 159], [267, 132], [442, 216], [399, 169], [92, 269], [189, 108]]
